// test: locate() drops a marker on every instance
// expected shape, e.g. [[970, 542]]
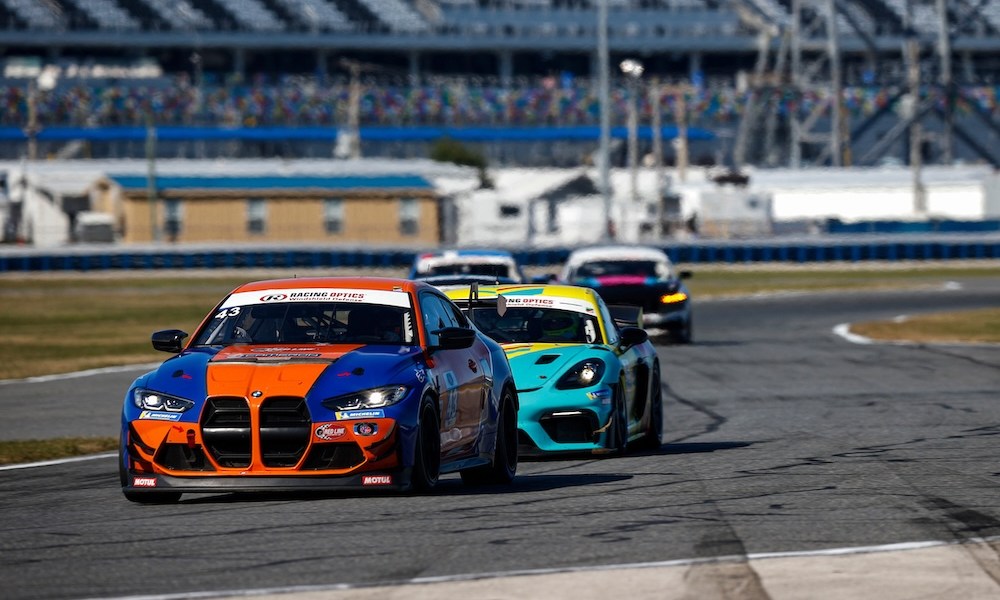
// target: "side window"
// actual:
[[609, 323], [434, 316], [458, 317]]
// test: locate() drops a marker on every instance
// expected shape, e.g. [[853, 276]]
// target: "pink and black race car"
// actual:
[[638, 276]]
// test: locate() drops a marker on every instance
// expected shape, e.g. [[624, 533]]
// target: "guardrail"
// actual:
[[774, 250]]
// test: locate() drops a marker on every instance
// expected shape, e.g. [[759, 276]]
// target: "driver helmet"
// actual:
[[559, 327]]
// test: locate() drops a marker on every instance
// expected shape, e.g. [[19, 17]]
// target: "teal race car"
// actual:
[[587, 381]]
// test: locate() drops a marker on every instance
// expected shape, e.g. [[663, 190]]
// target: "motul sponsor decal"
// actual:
[[376, 480], [330, 431], [144, 482]]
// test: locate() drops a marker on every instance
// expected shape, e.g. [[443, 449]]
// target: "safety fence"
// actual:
[[825, 250]]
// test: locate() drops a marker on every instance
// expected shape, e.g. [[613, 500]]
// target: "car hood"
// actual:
[[294, 370], [537, 365]]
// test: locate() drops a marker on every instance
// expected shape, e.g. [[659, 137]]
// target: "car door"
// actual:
[[460, 376]]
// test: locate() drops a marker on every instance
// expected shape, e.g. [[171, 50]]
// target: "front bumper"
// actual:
[[666, 315], [564, 421], [328, 455], [152, 483]]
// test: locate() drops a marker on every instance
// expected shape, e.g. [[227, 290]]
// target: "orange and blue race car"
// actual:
[[321, 384], [588, 378]]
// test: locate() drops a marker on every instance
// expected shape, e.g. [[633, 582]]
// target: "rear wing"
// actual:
[[626, 316], [474, 301]]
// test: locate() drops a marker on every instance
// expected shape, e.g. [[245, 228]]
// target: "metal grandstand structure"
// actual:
[[809, 57], [921, 52]]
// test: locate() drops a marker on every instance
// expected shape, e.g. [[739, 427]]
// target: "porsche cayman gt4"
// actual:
[[586, 382]]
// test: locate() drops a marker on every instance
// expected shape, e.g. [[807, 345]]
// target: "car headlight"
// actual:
[[673, 298], [372, 398], [583, 374], [150, 400]]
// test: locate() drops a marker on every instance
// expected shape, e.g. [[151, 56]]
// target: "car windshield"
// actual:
[[605, 268], [309, 323], [488, 269], [537, 325]]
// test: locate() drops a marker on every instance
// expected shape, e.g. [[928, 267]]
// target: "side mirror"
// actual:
[[455, 338], [169, 340], [632, 336], [625, 315]]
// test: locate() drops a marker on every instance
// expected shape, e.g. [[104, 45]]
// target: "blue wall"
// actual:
[[825, 249]]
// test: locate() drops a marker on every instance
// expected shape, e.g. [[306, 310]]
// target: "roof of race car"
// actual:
[[357, 290], [465, 257], [566, 297], [584, 255], [572, 294], [362, 283]]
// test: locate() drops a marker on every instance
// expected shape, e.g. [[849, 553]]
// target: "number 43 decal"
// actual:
[[228, 312]]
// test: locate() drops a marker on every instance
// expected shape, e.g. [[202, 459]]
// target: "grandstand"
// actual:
[[758, 74]]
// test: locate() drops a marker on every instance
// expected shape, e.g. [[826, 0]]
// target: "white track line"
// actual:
[[60, 461], [77, 374], [899, 547]]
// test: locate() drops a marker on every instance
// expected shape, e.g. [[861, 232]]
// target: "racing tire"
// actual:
[[684, 333], [142, 497], [653, 437], [618, 432], [427, 450], [504, 466]]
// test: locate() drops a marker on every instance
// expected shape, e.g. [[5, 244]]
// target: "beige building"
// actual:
[[386, 209]]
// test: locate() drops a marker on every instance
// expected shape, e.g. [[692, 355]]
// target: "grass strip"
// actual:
[[27, 451], [969, 326]]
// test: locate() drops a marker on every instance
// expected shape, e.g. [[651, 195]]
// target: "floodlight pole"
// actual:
[[944, 53], [32, 129], [154, 230], [603, 154], [912, 49], [655, 97]]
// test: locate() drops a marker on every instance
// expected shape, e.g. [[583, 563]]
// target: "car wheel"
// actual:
[[504, 465], [427, 450], [142, 497], [654, 430], [618, 433], [684, 334]]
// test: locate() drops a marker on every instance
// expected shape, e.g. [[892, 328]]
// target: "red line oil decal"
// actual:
[[330, 431]]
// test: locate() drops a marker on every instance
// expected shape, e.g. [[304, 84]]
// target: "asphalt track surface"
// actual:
[[781, 439]]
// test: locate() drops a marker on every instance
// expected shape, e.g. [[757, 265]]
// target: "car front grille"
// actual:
[[285, 429], [570, 429], [225, 429], [284, 432]]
